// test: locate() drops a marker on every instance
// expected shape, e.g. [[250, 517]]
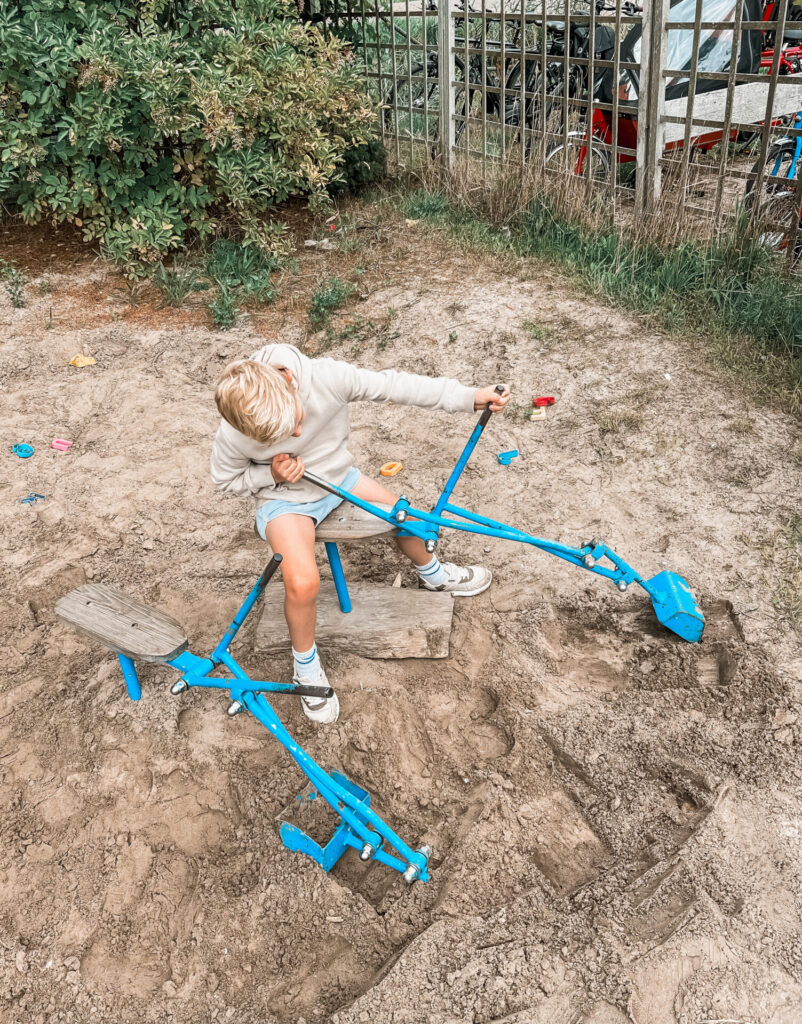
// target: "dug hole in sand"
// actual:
[[616, 815]]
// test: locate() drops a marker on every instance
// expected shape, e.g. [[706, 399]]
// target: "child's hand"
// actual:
[[489, 395], [287, 469]]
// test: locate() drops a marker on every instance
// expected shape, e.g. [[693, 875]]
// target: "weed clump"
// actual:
[[15, 282], [330, 296]]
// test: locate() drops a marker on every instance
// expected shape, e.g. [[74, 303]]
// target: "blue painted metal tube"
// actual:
[[338, 798], [338, 576], [246, 607], [341, 800], [254, 686], [130, 677], [380, 855], [414, 526], [461, 463]]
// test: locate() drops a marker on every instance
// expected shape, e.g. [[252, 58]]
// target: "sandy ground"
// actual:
[[616, 815]]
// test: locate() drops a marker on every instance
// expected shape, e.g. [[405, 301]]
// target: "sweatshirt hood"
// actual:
[[288, 357]]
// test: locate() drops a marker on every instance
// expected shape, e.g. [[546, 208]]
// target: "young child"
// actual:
[[283, 413]]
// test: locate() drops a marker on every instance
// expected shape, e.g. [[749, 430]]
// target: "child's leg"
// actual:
[[372, 490], [293, 537], [461, 581]]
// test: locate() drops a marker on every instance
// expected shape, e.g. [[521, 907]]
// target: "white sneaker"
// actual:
[[323, 710], [463, 581]]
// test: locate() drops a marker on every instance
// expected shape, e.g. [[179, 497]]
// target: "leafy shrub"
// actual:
[[331, 295], [145, 122]]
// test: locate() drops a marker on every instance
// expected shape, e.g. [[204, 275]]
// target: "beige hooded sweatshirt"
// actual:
[[241, 465]]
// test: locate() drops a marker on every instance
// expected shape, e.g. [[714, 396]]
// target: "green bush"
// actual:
[[147, 122]]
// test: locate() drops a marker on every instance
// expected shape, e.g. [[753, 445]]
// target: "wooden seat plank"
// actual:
[[350, 523], [386, 622], [121, 622]]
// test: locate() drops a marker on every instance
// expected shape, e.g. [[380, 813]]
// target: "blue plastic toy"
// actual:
[[505, 458], [32, 498], [23, 450], [673, 601], [121, 623]]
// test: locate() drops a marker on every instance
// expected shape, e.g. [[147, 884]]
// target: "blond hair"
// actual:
[[257, 400]]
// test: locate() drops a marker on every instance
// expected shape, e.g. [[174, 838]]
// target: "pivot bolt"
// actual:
[[413, 871], [366, 852], [179, 687], [401, 515], [234, 708], [622, 585], [588, 561], [430, 546]]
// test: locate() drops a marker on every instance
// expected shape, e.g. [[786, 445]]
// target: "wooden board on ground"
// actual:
[[386, 622], [121, 622]]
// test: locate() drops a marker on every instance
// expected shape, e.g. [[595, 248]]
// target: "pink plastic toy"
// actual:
[[60, 444]]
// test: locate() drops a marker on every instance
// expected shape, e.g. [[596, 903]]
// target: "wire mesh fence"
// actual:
[[686, 103]]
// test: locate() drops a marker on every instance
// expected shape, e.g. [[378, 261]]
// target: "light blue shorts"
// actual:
[[317, 510]]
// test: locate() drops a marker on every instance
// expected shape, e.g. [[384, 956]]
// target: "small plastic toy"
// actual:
[[505, 458], [391, 468], [80, 360], [60, 444], [32, 498], [543, 400], [22, 450]]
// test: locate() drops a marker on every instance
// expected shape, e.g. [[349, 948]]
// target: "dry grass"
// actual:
[[617, 421]]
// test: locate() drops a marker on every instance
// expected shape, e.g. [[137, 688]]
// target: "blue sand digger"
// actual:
[[136, 632], [673, 601]]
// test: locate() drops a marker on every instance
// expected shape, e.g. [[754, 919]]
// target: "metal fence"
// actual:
[[691, 102]]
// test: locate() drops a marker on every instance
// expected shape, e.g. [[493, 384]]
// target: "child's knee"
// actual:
[[302, 585]]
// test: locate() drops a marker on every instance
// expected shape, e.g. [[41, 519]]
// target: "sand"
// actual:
[[616, 815]]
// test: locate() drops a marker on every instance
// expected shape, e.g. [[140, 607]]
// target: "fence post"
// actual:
[[651, 104], [446, 72]]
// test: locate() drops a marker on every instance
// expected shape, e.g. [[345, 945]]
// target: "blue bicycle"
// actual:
[[777, 206]]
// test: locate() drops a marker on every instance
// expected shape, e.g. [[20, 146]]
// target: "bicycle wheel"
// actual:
[[412, 106], [411, 109], [581, 157], [776, 207]]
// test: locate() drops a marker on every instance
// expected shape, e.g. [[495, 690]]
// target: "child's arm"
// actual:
[[354, 384], [233, 472]]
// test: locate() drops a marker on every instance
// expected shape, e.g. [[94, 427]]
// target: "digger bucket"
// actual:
[[675, 605]]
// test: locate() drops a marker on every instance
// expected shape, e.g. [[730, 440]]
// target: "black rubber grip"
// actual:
[[310, 691], [487, 413], [270, 569]]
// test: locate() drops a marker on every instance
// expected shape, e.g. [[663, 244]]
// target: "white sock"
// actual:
[[433, 573], [306, 663]]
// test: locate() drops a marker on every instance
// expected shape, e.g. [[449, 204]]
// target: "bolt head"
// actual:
[[430, 546], [622, 585], [234, 708], [588, 561], [401, 515], [366, 852], [178, 687]]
